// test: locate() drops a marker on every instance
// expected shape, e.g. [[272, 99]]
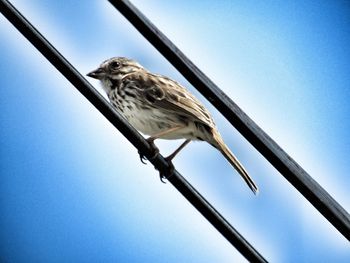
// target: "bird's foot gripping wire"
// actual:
[[143, 158], [155, 152], [168, 172]]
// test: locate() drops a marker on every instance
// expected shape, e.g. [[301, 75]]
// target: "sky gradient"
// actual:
[[73, 189]]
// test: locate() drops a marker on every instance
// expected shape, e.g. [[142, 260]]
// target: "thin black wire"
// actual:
[[289, 168], [194, 197]]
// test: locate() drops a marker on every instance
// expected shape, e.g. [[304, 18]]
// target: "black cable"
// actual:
[[289, 168], [61, 64]]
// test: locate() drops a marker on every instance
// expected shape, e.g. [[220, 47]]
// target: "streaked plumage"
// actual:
[[160, 107]]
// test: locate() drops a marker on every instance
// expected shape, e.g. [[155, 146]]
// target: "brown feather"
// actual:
[[221, 146], [178, 99]]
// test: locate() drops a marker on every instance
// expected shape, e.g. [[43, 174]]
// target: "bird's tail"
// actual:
[[221, 146]]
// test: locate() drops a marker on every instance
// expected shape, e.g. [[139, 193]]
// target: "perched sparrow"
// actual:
[[161, 108]]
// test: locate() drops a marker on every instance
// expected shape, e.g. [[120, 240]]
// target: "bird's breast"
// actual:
[[151, 120]]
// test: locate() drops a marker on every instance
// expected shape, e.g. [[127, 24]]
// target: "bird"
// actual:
[[161, 108]]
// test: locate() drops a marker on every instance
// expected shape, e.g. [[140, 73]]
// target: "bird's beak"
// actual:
[[97, 73]]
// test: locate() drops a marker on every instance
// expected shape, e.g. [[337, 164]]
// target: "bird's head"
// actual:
[[115, 69]]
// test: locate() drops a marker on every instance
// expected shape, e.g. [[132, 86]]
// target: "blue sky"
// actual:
[[73, 189]]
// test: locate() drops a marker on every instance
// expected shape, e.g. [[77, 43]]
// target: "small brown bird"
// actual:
[[161, 108]]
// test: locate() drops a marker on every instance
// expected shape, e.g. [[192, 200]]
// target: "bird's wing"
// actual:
[[171, 96]]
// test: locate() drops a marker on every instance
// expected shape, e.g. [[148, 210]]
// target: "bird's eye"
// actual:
[[115, 65]]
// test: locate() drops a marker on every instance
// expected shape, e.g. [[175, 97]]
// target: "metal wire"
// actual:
[[288, 167], [191, 194]]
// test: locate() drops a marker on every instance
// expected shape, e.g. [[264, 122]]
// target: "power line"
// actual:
[[288, 167], [191, 194]]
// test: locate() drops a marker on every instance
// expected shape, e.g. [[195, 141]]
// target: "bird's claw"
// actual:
[[167, 173], [164, 173], [161, 177], [142, 158], [155, 152]]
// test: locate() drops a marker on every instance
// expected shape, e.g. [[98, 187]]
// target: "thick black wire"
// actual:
[[194, 197], [289, 168]]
